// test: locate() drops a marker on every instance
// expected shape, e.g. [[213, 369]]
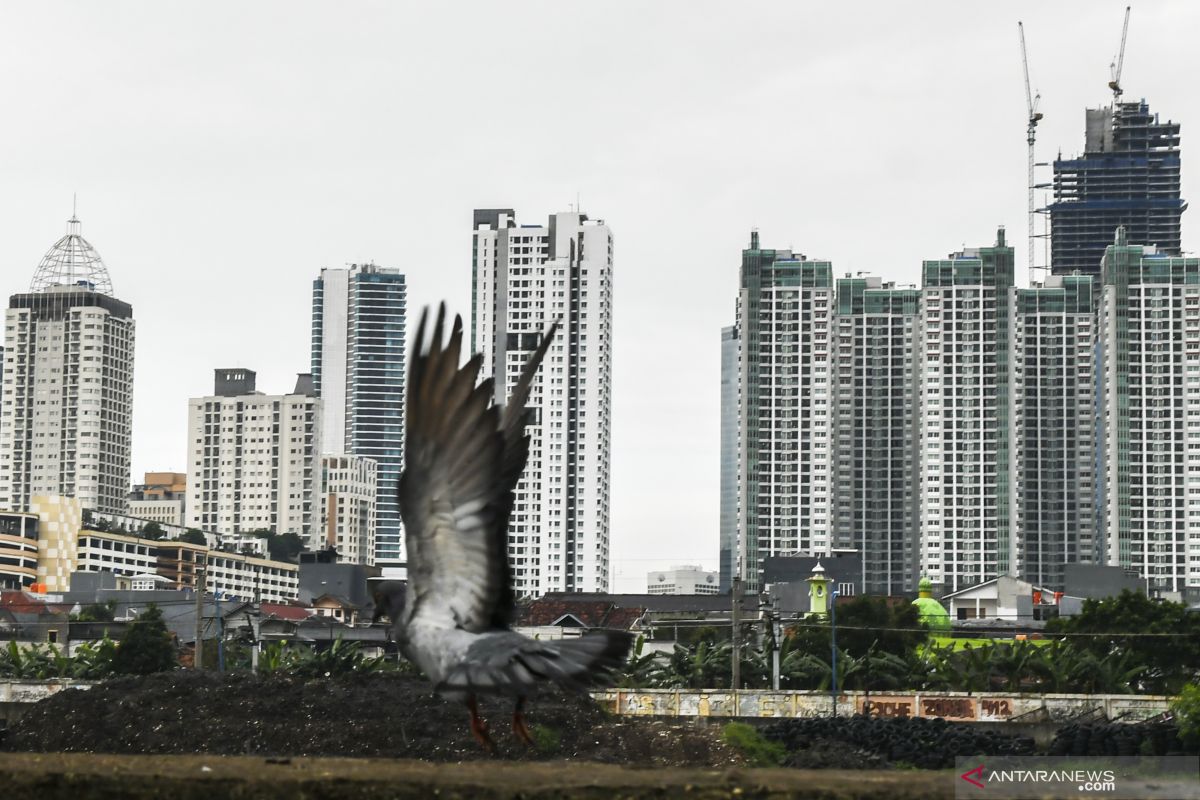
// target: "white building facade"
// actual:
[[785, 460], [67, 394], [685, 579], [252, 460], [1149, 416], [525, 278]]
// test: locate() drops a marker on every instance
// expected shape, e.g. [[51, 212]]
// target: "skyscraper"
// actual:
[[1148, 367], [358, 339], [1053, 402], [785, 307], [729, 456], [1127, 176], [252, 458], [965, 431], [67, 398], [523, 279], [877, 407]]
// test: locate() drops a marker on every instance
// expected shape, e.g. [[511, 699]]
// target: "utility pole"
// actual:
[[736, 593], [200, 577], [776, 646], [833, 689], [220, 633]]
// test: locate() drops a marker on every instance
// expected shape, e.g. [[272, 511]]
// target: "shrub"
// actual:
[[1186, 709], [749, 742]]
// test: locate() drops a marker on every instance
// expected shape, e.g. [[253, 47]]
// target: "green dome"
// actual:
[[925, 585], [932, 615]]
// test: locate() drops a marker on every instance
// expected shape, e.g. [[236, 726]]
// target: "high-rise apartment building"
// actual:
[[1148, 364], [729, 457], [67, 395], [876, 411], [523, 279], [252, 458], [966, 523], [358, 339], [1127, 176], [785, 463], [1052, 472]]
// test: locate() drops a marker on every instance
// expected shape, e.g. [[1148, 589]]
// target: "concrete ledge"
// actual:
[[72, 776]]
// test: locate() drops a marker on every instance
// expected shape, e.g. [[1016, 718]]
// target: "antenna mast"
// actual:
[[1119, 64], [1034, 116]]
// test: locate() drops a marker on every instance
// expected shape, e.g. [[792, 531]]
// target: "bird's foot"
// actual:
[[522, 730], [479, 729]]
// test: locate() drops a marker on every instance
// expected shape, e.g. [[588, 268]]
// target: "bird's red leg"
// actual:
[[479, 727], [519, 726]]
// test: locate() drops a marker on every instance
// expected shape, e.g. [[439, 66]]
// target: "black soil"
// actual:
[[358, 715]]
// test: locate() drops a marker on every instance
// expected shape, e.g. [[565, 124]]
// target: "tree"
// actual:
[[97, 612], [194, 536], [1159, 636], [146, 646], [865, 624], [152, 530], [285, 547]]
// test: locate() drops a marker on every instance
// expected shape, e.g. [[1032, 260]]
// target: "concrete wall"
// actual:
[[957, 706], [16, 697]]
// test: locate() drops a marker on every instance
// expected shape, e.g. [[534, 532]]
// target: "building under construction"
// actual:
[[1127, 176]]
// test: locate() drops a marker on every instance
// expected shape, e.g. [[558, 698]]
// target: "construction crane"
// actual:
[[1034, 116], [1118, 64]]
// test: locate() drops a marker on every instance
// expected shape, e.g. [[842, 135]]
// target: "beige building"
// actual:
[[348, 508], [64, 546], [161, 498]]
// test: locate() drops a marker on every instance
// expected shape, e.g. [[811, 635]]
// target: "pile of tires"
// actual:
[[915, 741], [1117, 739]]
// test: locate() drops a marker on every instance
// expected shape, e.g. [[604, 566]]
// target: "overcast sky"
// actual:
[[224, 152]]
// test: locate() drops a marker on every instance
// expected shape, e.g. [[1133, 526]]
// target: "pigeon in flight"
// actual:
[[463, 458]]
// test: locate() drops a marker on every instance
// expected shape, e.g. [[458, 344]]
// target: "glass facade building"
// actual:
[[358, 363]]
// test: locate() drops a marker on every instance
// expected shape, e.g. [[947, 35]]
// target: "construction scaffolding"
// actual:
[[1127, 176]]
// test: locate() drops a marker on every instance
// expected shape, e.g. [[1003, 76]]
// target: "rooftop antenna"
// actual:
[[1033, 117], [74, 204], [1118, 63]]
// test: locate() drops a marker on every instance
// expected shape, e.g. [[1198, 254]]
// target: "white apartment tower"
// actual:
[[252, 458], [878, 403], [67, 398], [1053, 404], [523, 279], [1148, 421], [965, 433], [785, 462]]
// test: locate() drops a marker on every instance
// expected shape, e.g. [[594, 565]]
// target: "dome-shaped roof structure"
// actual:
[[72, 261]]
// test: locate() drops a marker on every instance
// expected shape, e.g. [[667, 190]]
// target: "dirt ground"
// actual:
[[372, 715], [75, 776]]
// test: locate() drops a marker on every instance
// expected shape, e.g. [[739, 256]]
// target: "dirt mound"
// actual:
[[918, 742], [375, 714]]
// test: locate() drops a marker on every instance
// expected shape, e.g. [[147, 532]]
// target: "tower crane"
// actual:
[[1034, 116], [1119, 63]]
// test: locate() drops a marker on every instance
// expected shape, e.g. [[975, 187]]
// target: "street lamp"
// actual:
[[833, 595]]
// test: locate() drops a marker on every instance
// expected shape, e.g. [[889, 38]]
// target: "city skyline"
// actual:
[[216, 193]]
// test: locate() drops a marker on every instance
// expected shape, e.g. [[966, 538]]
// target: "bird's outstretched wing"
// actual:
[[463, 459]]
